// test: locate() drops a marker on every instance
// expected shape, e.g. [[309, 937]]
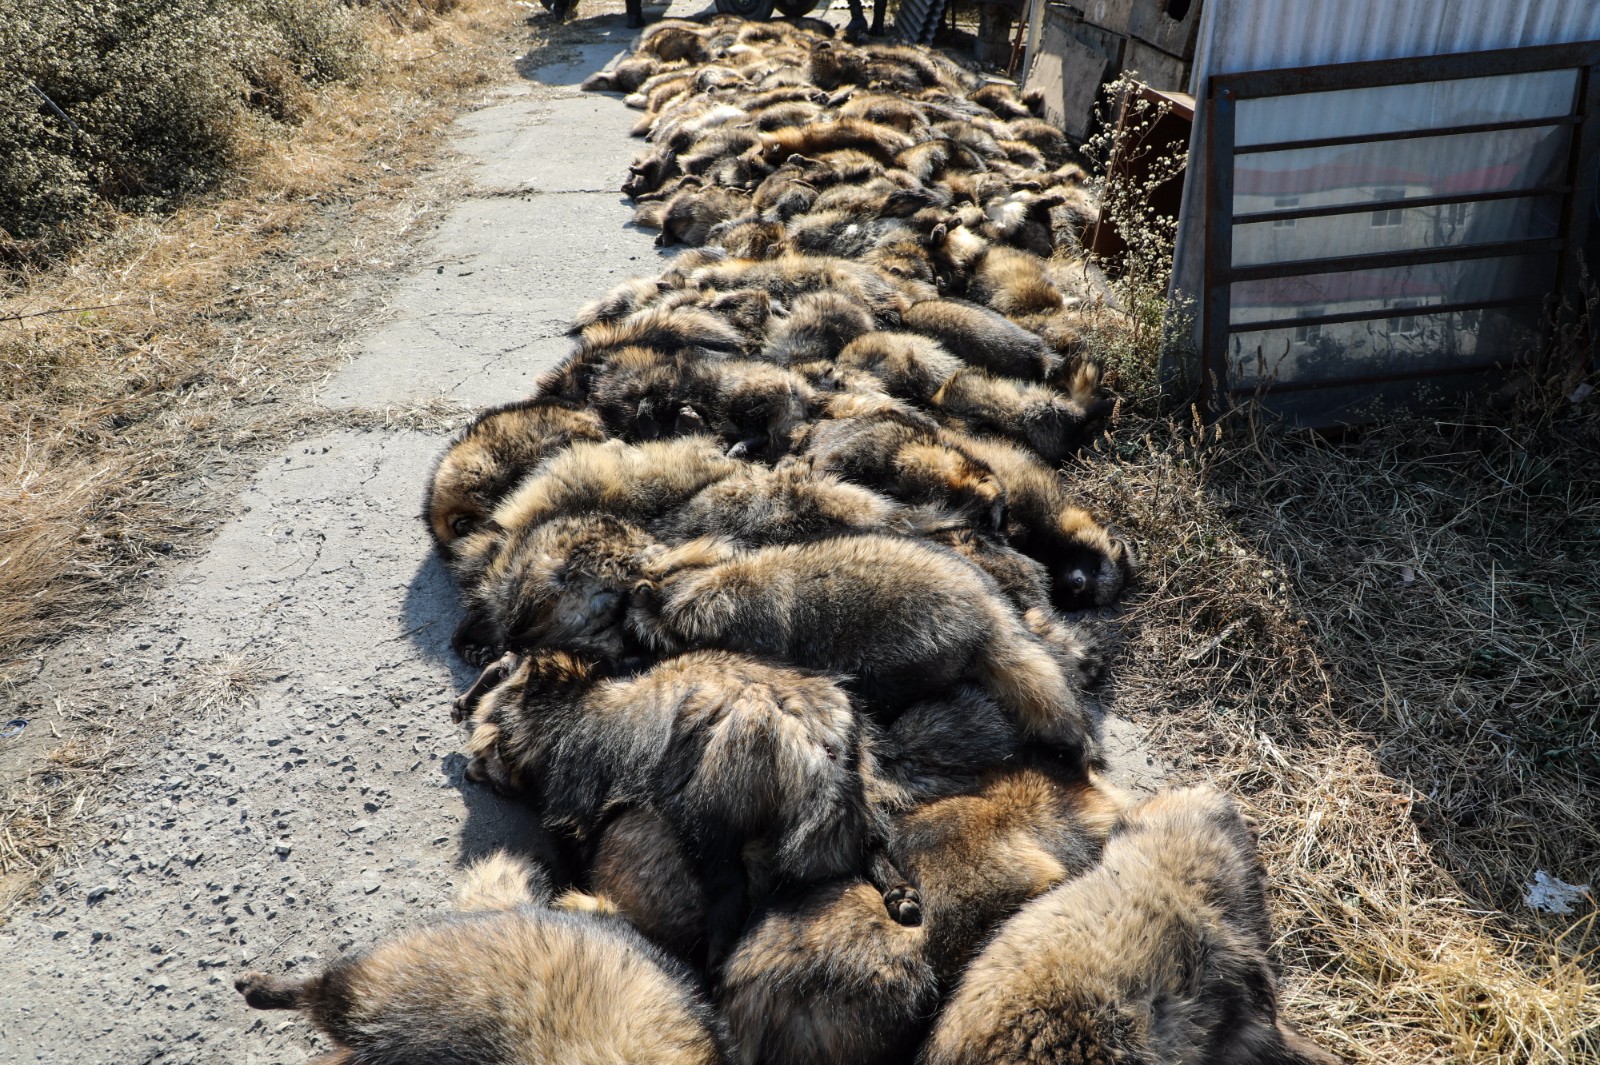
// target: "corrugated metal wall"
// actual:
[[916, 21], [1239, 35], [1243, 35]]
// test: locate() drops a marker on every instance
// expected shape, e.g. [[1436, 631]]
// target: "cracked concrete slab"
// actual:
[[615, 41], [487, 310], [325, 810], [570, 144]]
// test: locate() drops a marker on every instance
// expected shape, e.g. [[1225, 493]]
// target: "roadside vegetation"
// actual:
[[194, 191], [1388, 645], [186, 184]]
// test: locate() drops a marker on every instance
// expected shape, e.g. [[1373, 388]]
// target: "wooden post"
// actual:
[[994, 34]]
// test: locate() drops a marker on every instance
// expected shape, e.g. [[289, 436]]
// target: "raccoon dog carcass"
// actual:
[[739, 756], [496, 987], [820, 978], [487, 459], [1159, 954], [905, 619]]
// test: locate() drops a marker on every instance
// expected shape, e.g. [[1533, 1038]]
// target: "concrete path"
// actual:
[[327, 806]]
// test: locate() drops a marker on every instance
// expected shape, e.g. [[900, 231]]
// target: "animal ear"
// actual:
[[1129, 562], [645, 593], [939, 234]]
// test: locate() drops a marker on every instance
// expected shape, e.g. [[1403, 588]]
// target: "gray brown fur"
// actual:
[[904, 619], [739, 757], [488, 458], [1161, 953], [512, 981]]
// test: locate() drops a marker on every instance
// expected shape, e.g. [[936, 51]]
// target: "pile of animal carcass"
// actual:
[[770, 578]]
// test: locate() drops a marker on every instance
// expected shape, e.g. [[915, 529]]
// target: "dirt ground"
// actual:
[[293, 789]]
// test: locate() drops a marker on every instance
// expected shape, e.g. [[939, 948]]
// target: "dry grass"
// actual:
[[1388, 648], [204, 320], [196, 337], [46, 815], [222, 684]]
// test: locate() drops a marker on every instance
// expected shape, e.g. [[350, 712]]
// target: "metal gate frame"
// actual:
[[1226, 90]]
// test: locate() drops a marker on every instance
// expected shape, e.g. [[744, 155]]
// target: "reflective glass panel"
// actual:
[[1406, 340], [1442, 226], [1396, 108], [1357, 174], [1376, 291]]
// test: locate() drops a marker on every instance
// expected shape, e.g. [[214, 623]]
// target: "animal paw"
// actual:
[[1092, 664], [265, 992], [476, 654], [904, 904]]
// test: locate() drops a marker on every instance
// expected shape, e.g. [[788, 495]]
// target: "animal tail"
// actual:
[[503, 882], [263, 992], [1026, 679]]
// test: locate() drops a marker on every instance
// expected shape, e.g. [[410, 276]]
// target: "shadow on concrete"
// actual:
[[576, 49], [493, 823], [664, 254], [431, 612]]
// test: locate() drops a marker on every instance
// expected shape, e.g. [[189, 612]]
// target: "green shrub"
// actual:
[[132, 104]]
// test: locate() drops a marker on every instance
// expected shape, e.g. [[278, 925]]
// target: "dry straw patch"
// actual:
[[193, 338], [1389, 648], [194, 324]]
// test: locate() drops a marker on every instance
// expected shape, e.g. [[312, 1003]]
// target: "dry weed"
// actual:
[[47, 814], [187, 330], [223, 683], [438, 415], [173, 343], [1387, 647]]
